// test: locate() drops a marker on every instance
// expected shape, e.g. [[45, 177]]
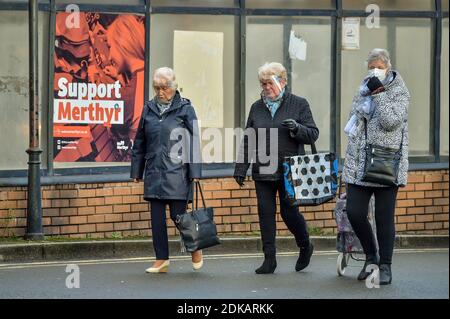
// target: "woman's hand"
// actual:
[[291, 124], [137, 180]]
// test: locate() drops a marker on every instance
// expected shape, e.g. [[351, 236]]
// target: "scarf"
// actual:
[[273, 105]]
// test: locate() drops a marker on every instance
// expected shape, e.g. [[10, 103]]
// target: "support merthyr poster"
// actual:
[[98, 86]]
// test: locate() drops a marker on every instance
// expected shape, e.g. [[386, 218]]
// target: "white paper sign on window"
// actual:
[[297, 47], [350, 33]]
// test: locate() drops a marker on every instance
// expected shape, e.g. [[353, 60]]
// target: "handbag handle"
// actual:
[[197, 187]]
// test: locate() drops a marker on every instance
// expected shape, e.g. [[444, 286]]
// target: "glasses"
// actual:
[[266, 83], [161, 88]]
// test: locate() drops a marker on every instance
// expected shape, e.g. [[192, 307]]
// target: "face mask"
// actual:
[[379, 73]]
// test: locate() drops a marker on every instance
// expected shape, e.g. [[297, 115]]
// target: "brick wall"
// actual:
[[118, 209]]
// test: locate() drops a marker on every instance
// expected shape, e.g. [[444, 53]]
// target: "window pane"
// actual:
[[205, 62], [103, 2], [445, 5], [289, 4], [310, 78], [194, 3], [408, 5], [444, 89], [14, 101], [413, 62]]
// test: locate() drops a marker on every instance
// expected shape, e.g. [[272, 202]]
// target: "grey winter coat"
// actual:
[[167, 174], [385, 128]]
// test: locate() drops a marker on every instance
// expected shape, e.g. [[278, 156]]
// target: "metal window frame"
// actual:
[[120, 173]]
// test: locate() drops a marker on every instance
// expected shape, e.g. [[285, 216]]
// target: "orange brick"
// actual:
[[45, 194], [230, 185], [401, 195], [240, 193], [93, 219], [60, 221], [122, 226], [249, 202], [113, 200], [323, 215], [122, 191], [440, 201], [440, 186], [424, 187], [222, 211], [105, 227], [221, 194], [441, 217], [78, 220], [68, 211], [240, 210], [212, 186], [231, 219], [406, 219], [121, 208], [103, 209], [139, 207], [412, 195], [78, 202], [437, 225], [86, 193], [433, 194], [214, 203], [405, 203], [315, 223], [90, 210], [416, 226], [400, 227], [137, 190], [113, 218], [60, 203], [144, 216], [400, 211], [96, 201], [424, 202], [424, 218], [131, 199], [433, 178], [415, 178], [140, 225], [68, 193], [50, 212], [69, 229], [415, 210], [89, 228], [249, 219], [104, 192], [131, 216], [241, 227], [308, 216], [433, 209]]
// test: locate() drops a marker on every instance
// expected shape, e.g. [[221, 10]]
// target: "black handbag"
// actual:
[[197, 228], [382, 163]]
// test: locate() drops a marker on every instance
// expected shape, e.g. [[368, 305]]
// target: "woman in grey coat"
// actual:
[[165, 162], [381, 106]]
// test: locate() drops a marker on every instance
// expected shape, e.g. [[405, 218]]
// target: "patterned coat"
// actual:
[[385, 128]]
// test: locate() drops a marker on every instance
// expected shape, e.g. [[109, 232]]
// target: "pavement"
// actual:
[[417, 273]]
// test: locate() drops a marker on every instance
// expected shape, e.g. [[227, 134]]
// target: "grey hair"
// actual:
[[166, 73], [272, 68], [379, 54]]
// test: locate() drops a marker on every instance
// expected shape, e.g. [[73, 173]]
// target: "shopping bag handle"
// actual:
[[198, 187], [313, 148]]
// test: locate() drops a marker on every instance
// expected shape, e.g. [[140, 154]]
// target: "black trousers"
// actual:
[[266, 192], [159, 225], [358, 198]]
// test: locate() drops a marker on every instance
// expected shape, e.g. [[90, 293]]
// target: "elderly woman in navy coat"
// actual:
[[167, 169]]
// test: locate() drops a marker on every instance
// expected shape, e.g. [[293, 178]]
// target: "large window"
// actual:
[[410, 44], [202, 51], [267, 40], [14, 85]]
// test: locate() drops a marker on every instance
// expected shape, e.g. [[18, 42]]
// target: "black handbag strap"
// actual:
[[198, 187], [313, 148]]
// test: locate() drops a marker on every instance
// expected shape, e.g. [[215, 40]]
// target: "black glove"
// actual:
[[374, 83], [240, 180], [291, 124]]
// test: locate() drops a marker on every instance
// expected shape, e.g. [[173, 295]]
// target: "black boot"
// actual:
[[369, 260], [305, 257], [385, 274], [268, 266]]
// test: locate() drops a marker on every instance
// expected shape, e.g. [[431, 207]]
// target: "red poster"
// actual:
[[98, 86]]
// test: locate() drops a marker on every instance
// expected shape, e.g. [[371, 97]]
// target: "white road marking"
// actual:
[[187, 258]]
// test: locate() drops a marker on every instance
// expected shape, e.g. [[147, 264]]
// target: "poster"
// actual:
[[198, 63], [350, 33], [98, 86]]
